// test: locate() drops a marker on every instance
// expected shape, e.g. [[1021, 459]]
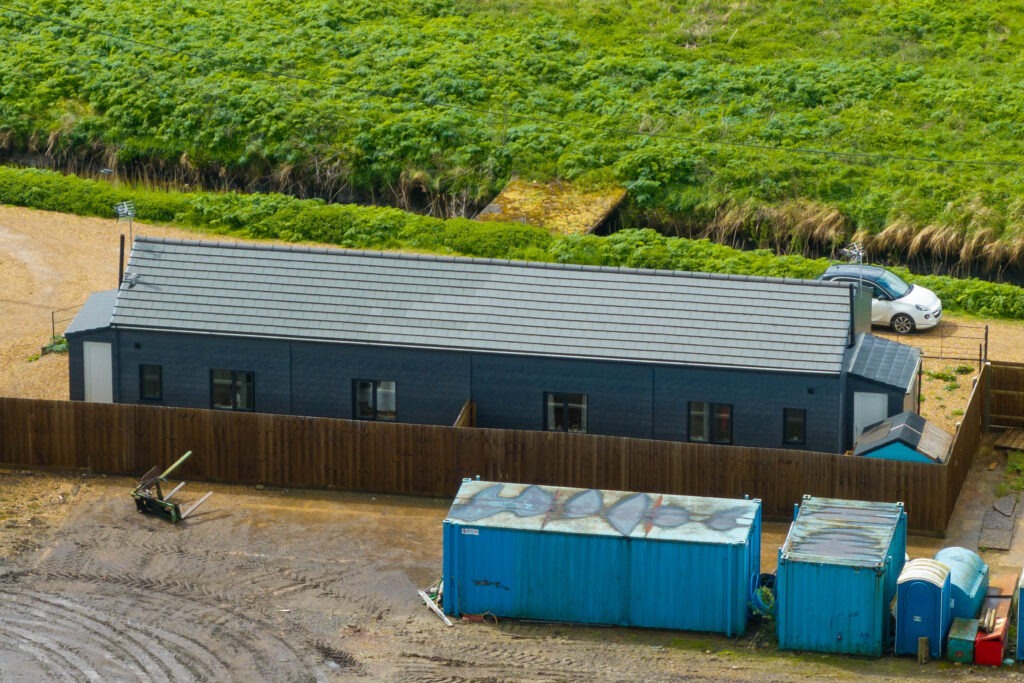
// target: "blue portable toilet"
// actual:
[[837, 576], [601, 557], [968, 578], [922, 606], [908, 437]]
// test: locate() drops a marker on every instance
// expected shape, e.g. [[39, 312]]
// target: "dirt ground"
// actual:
[[278, 585], [49, 264]]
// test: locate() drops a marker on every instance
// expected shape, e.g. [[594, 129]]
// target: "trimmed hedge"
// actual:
[[274, 216]]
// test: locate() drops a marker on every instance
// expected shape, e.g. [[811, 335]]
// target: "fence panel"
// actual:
[[429, 460], [1006, 395]]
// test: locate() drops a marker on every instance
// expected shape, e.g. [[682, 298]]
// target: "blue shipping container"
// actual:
[[601, 557], [968, 578], [922, 606], [837, 575], [1019, 616]]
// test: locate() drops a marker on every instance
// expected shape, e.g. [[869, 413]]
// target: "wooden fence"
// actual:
[[1006, 396], [291, 451]]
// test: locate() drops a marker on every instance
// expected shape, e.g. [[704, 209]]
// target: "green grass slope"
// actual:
[[783, 122]]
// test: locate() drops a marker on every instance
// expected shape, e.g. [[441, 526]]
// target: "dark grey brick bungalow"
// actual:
[[411, 338]]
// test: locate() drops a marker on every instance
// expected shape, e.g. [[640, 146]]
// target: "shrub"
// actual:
[[276, 216], [943, 375]]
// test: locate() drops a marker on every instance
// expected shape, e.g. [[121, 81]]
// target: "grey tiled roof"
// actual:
[[484, 305], [907, 428], [95, 312], [883, 361]]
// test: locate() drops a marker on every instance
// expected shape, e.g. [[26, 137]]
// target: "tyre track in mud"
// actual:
[[273, 587], [250, 600], [125, 633], [500, 660], [126, 597], [200, 572]]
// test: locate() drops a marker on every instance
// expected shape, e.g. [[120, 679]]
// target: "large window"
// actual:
[[565, 412], [232, 390], [710, 422], [375, 399], [151, 383], [794, 426]]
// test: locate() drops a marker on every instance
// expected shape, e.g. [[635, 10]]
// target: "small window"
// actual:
[[375, 399], [710, 422], [233, 390], [151, 383], [794, 426], [565, 412]]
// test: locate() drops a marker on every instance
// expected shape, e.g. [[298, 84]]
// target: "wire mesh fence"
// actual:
[[59, 317], [948, 341]]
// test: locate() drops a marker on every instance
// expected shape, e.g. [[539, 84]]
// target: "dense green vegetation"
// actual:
[[276, 216], [434, 104]]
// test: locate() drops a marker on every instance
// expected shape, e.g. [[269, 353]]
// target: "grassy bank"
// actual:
[[275, 216], [778, 122]]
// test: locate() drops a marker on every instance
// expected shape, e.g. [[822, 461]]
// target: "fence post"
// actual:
[[920, 379], [986, 382]]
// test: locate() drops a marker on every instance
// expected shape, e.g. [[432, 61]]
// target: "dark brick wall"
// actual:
[[636, 400]]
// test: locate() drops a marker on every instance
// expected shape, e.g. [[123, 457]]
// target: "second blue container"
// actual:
[[837, 575]]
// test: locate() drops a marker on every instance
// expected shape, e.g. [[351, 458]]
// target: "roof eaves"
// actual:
[[832, 369]]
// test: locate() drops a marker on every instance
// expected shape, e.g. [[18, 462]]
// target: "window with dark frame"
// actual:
[[565, 412], [233, 390], [794, 426], [375, 399], [710, 422], [151, 383]]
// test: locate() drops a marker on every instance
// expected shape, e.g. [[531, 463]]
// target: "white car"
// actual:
[[894, 303]]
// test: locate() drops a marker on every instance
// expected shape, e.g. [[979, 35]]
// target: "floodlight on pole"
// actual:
[[126, 210]]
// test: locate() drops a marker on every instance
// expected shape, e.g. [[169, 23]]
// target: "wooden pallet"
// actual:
[[1011, 439]]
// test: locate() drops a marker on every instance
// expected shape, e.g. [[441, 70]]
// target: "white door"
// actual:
[[881, 306], [868, 409], [99, 377]]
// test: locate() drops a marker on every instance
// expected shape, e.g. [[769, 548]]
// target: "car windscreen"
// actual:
[[892, 284]]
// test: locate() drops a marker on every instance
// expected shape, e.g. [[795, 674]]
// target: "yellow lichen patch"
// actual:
[[558, 206]]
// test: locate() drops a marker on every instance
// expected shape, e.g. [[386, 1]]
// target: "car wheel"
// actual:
[[902, 324]]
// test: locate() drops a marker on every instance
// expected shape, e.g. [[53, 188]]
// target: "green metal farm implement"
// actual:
[[149, 495]]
